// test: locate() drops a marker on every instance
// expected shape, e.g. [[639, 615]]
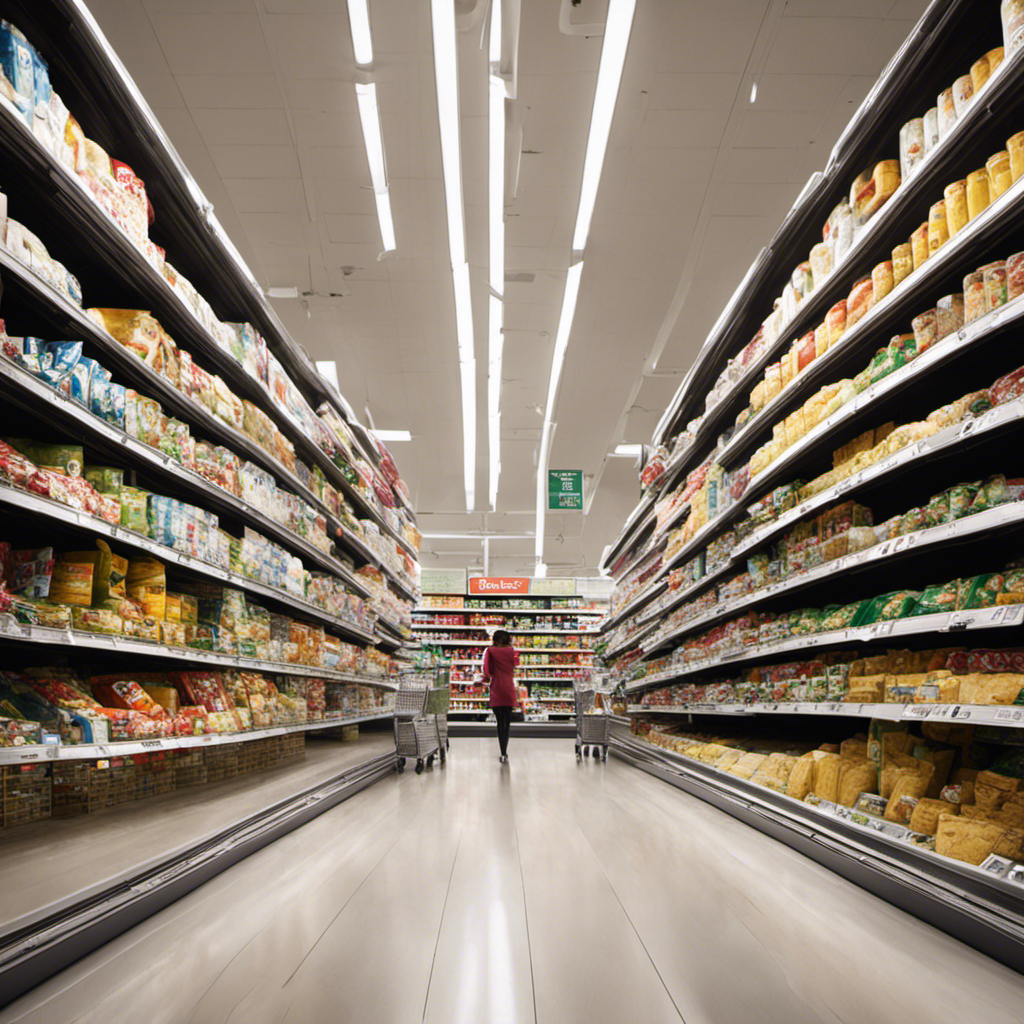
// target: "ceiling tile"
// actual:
[[311, 46], [670, 129], [246, 91], [266, 195], [255, 161], [685, 90], [233, 126], [195, 44]]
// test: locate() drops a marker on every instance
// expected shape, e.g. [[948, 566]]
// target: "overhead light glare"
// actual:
[[753, 91], [391, 435], [328, 369], [291, 292], [630, 451], [369, 119], [359, 23], [609, 75], [540, 571], [496, 239]]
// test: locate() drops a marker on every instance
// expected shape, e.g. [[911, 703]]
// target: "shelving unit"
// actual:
[[736, 557]]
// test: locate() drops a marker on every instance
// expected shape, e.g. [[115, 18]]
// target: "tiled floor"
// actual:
[[544, 891]]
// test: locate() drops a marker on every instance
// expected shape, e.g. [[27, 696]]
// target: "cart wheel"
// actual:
[[441, 755], [579, 755], [594, 751], [604, 755], [430, 761], [419, 766], [447, 743], [401, 765]]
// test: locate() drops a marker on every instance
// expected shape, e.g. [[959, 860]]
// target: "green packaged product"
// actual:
[[960, 499], [106, 479], [886, 607], [910, 522], [992, 492], [980, 591], [841, 616], [135, 509], [806, 621], [937, 512], [939, 597]]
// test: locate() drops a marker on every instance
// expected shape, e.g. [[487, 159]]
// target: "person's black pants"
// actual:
[[504, 718]]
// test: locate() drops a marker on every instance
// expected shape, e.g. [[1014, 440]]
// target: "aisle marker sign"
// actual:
[[565, 490]]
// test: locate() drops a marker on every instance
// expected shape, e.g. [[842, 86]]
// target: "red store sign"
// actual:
[[499, 584]]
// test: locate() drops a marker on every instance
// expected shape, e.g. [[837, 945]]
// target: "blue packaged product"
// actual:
[[74, 289], [18, 66], [50, 361], [42, 90], [107, 400], [81, 381]]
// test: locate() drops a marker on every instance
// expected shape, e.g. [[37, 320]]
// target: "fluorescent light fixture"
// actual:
[[629, 451], [753, 91], [359, 23], [446, 76], [618, 26], [496, 238], [609, 75], [369, 118], [328, 369], [391, 435], [477, 536], [283, 293], [540, 571]]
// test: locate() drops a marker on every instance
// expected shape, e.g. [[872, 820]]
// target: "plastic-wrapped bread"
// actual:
[[859, 301], [774, 772], [963, 93], [1011, 13], [839, 231], [826, 777], [1015, 147], [902, 262], [992, 790], [971, 841], [994, 284], [801, 777], [978, 196], [871, 189], [821, 263], [974, 295], [999, 176], [955, 200], [925, 818], [946, 107], [881, 280], [980, 72], [990, 688], [836, 321], [924, 328], [919, 246], [931, 129], [1014, 276], [821, 339], [911, 145], [855, 777], [938, 226], [745, 767]]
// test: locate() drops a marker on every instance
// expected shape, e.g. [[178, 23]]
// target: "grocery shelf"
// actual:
[[976, 906], [976, 714], [14, 631], [981, 524], [511, 611], [58, 404], [630, 641], [23, 501], [46, 752], [943, 622], [636, 522], [522, 650], [881, 112], [428, 626]]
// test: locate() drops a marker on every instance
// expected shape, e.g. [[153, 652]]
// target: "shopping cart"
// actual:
[[592, 719], [438, 700], [415, 731]]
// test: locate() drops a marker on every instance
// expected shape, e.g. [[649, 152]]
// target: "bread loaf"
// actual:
[[926, 815]]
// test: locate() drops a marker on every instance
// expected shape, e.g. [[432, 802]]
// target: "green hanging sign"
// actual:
[[565, 490]]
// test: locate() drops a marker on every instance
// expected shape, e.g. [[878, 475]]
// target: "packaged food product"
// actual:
[[1015, 147], [27, 572], [820, 340], [946, 107], [949, 316], [939, 597], [911, 145], [974, 296], [805, 351], [1011, 13], [96, 620], [999, 176], [931, 129], [147, 584], [72, 583], [836, 322], [1014, 276], [860, 300], [955, 199], [839, 231], [107, 575], [821, 263], [978, 196], [924, 325], [938, 226], [980, 72], [994, 283], [919, 246], [881, 281], [902, 262], [979, 591], [871, 189], [963, 93]]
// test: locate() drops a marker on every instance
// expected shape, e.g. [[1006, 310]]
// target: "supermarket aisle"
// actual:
[[545, 891]]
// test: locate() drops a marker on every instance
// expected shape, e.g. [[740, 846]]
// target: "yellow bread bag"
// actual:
[[925, 817]]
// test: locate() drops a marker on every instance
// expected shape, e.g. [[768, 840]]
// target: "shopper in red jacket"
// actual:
[[500, 661]]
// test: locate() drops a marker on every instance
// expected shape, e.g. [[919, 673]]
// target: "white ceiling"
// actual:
[[258, 98]]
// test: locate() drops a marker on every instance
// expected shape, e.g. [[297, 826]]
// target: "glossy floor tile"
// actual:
[[546, 891]]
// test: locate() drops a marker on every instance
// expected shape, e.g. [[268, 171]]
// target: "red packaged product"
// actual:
[[805, 351], [1008, 388], [1015, 276], [1010, 659], [202, 688]]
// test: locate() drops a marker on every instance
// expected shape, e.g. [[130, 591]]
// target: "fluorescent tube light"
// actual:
[[446, 77], [753, 92], [496, 238], [359, 23], [618, 26], [630, 451], [328, 369], [369, 119], [391, 435], [609, 75], [291, 292]]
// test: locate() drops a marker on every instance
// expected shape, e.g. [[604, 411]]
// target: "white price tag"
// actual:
[[1010, 715], [879, 629], [917, 711], [152, 743], [960, 712], [889, 546], [1012, 614]]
